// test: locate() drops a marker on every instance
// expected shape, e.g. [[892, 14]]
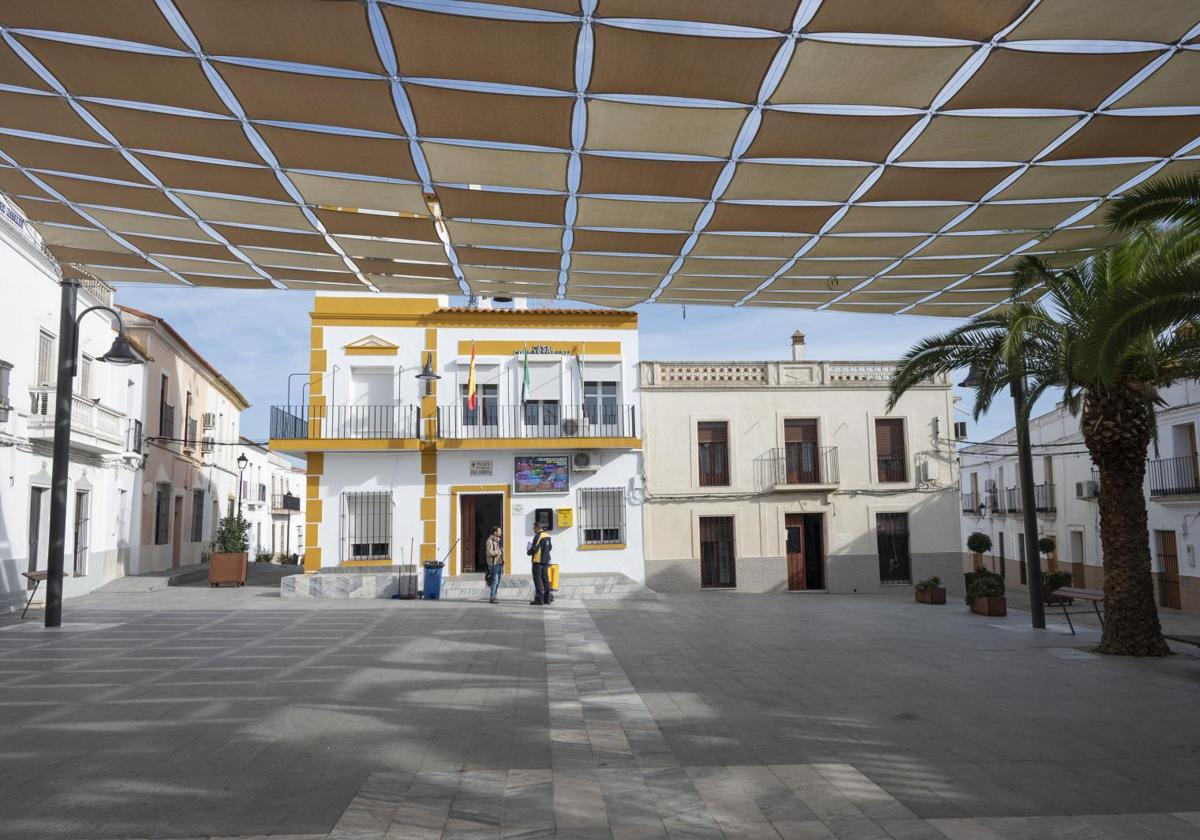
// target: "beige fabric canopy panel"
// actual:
[[850, 155]]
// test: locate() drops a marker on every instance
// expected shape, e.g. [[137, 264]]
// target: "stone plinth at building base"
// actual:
[[384, 583]]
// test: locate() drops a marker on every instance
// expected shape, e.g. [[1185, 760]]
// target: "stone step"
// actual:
[[385, 584]]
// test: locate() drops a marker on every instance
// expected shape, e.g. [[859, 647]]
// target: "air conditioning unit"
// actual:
[[210, 419], [1087, 489], [923, 472], [960, 429], [570, 427], [584, 462], [207, 445]]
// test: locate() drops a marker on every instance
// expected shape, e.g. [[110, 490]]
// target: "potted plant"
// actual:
[[263, 557], [930, 591], [979, 544], [227, 563], [985, 593], [1052, 581]]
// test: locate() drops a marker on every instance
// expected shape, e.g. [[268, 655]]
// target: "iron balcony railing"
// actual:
[[802, 464], [1012, 497], [970, 503], [285, 503], [191, 433], [166, 420], [536, 420], [1043, 498], [344, 422], [891, 468], [992, 499], [1175, 476], [88, 417]]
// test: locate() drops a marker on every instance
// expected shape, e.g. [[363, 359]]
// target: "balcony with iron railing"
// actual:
[[94, 427], [191, 435], [800, 466], [285, 503], [166, 420], [345, 422], [1043, 498], [1012, 497], [594, 422], [1174, 477], [970, 503], [891, 469], [991, 498]]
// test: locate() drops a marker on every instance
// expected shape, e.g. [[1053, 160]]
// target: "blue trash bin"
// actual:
[[433, 581]]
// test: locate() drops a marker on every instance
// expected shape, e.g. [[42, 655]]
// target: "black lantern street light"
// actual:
[[242, 461], [121, 353], [427, 374], [1037, 610]]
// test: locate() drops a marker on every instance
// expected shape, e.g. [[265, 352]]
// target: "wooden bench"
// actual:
[[37, 578], [1065, 596]]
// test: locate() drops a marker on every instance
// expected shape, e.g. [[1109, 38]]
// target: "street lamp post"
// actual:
[[121, 353], [1033, 561], [242, 461]]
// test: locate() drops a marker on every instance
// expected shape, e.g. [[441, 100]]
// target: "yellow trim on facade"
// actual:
[[431, 485], [313, 486], [428, 552], [312, 533], [317, 361], [359, 445], [316, 337], [431, 341], [428, 460], [425, 312], [316, 509], [429, 509], [316, 464], [606, 547], [430, 528], [509, 348], [312, 559], [371, 351], [543, 443], [455, 490]]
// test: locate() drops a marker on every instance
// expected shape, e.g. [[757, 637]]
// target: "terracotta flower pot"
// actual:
[[227, 568], [990, 605], [936, 595]]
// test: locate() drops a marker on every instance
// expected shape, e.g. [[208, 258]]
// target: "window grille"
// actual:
[[197, 515], [366, 526], [713, 445], [602, 516], [82, 529], [162, 513], [895, 564], [718, 565]]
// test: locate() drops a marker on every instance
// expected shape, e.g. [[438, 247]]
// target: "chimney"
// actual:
[[797, 346]]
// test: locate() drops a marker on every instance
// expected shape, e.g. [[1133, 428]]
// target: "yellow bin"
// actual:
[[553, 571]]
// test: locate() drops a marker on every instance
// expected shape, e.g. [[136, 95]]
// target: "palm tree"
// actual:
[[1111, 332], [1174, 201]]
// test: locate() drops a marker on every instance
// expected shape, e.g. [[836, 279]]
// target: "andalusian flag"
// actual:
[[472, 399], [525, 376]]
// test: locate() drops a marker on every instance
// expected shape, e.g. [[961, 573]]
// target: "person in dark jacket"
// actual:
[[539, 552]]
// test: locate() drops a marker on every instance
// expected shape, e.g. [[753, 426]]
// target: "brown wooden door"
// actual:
[[466, 519], [796, 567], [1168, 574], [1078, 571]]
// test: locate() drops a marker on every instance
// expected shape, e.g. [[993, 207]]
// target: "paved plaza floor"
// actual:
[[191, 712]]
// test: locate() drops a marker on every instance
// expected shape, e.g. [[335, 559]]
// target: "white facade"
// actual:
[[272, 502], [105, 469], [1065, 495], [403, 476], [807, 488]]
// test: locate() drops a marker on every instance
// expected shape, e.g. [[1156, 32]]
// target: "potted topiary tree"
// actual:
[[228, 561], [985, 593], [930, 591], [979, 544]]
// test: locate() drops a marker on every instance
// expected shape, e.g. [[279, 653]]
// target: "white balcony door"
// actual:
[[372, 397]]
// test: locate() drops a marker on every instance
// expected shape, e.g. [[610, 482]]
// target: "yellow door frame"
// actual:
[[502, 489]]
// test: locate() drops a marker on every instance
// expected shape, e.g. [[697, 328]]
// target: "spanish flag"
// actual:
[[472, 400]]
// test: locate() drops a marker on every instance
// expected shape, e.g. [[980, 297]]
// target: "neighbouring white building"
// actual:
[[272, 501], [401, 470], [105, 470], [1065, 498], [767, 476]]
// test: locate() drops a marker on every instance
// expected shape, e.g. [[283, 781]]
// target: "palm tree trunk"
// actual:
[[1117, 431]]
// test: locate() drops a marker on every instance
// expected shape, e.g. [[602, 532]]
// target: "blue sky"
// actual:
[[256, 338]]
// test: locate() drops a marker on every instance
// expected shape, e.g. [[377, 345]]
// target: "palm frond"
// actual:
[[1165, 200]]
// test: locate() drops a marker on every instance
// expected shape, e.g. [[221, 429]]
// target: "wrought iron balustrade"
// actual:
[[1174, 476], [536, 420], [344, 422], [801, 464], [1043, 498], [970, 503]]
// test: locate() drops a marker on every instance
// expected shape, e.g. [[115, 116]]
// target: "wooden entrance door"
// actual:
[[1168, 574], [796, 567], [1078, 574]]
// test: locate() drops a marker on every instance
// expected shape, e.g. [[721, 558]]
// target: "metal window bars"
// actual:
[[895, 562], [891, 468], [366, 526], [344, 422], [601, 515]]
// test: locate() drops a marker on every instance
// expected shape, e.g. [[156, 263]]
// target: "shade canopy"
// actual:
[[857, 156]]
